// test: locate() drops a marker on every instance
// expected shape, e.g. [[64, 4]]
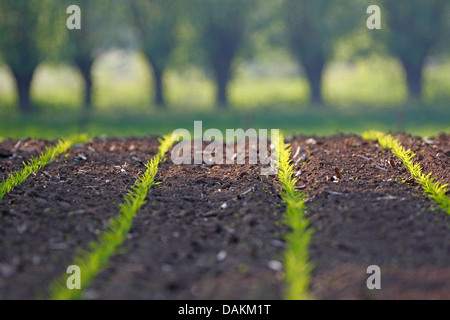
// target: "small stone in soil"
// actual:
[[166, 268], [428, 141], [22, 228], [302, 159], [7, 271], [81, 157], [136, 159], [36, 260], [298, 152], [48, 175], [275, 265], [278, 243], [335, 193], [247, 192], [364, 158], [222, 255]]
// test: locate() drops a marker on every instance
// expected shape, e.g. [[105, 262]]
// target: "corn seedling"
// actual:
[[296, 258], [91, 262], [434, 189], [19, 177]]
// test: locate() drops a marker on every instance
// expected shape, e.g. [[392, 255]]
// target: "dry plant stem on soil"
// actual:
[[297, 265], [434, 189], [19, 177], [93, 261]]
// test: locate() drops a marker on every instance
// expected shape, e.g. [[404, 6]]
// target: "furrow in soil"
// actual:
[[366, 210], [433, 155], [62, 208], [206, 232], [13, 153]]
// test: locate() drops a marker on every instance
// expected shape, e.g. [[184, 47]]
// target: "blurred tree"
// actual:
[[266, 30], [415, 28], [156, 22], [83, 46], [25, 39], [221, 25], [314, 27]]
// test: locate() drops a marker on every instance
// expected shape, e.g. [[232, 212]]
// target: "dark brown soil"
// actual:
[[432, 154], [374, 215], [185, 245], [13, 153], [44, 220]]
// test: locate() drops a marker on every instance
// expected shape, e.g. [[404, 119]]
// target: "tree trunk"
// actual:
[[87, 107], [23, 82], [222, 77], [314, 73], [87, 76], [84, 64], [414, 77], [222, 94], [159, 88]]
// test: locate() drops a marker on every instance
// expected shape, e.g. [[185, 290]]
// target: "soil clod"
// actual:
[[4, 153]]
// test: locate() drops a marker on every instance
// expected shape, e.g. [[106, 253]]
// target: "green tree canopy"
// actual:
[[156, 23], [314, 27], [221, 25], [415, 28], [97, 34], [26, 38]]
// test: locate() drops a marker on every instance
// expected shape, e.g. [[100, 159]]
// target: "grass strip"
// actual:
[[298, 268], [432, 188], [92, 262], [19, 177]]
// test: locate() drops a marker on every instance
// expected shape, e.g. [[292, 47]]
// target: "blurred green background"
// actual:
[[151, 66]]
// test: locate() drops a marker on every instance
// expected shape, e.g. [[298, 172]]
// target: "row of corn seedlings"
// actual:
[[297, 267], [433, 188], [91, 262], [17, 178]]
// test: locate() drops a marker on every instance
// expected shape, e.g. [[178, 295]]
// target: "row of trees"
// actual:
[[34, 30]]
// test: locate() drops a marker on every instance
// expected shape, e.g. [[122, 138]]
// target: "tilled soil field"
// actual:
[[14, 153], [217, 232], [374, 215], [63, 207]]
